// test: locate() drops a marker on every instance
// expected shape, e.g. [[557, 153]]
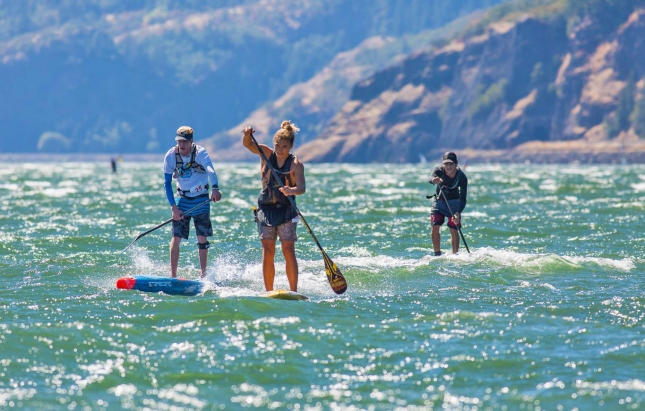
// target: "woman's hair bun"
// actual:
[[289, 126], [287, 132]]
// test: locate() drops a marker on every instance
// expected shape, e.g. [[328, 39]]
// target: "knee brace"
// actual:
[[203, 246]]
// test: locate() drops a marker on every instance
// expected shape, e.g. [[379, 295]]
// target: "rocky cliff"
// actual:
[[528, 80]]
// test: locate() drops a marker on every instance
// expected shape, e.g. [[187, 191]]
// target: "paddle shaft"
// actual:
[[333, 274], [451, 213], [165, 223]]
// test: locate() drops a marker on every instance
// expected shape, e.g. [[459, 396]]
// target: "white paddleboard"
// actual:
[[284, 295]]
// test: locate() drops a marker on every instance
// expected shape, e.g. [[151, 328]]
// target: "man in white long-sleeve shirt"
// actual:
[[191, 166]]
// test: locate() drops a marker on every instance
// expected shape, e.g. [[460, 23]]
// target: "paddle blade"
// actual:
[[334, 276]]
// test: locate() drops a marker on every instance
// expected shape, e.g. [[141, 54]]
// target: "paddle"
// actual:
[[453, 216], [164, 223], [334, 276]]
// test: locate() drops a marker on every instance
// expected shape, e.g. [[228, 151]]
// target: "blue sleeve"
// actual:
[[212, 178], [167, 185]]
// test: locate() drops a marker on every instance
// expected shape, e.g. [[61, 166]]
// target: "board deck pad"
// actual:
[[154, 284], [284, 295]]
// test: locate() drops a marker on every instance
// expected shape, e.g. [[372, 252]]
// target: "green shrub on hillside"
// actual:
[[483, 103], [638, 117], [512, 10], [608, 14], [538, 72], [620, 120]]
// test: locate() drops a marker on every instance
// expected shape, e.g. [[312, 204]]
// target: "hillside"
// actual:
[[105, 76], [559, 71], [314, 102]]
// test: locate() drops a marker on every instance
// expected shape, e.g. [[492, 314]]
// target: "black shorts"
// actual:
[[202, 223], [440, 211]]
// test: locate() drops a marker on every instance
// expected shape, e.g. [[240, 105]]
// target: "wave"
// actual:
[[493, 258], [229, 275]]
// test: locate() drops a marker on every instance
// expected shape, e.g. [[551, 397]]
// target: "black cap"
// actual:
[[184, 133], [450, 157]]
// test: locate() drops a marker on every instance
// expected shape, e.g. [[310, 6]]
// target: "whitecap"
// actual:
[[638, 187]]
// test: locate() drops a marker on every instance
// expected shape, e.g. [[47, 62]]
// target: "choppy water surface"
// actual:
[[546, 313]]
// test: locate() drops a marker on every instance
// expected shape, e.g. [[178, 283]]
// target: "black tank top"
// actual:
[[271, 194]]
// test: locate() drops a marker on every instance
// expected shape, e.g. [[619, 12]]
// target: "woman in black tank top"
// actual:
[[275, 215]]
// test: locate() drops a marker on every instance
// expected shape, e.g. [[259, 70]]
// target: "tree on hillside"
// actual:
[[638, 117], [609, 14], [596, 8], [621, 118]]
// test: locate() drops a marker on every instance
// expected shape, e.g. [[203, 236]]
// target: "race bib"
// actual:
[[198, 189]]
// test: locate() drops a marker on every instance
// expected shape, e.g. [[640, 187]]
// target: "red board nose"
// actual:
[[125, 283]]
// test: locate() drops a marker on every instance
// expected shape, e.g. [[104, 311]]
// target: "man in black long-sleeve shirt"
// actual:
[[454, 184]]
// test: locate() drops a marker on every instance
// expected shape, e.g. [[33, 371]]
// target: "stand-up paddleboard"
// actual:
[[284, 295], [168, 285]]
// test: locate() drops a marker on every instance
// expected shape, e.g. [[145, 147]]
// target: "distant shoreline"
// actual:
[[558, 152], [78, 157], [535, 152]]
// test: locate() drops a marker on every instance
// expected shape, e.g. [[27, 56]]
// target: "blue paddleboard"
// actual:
[[168, 285]]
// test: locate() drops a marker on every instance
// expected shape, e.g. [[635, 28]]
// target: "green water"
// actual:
[[546, 313]]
